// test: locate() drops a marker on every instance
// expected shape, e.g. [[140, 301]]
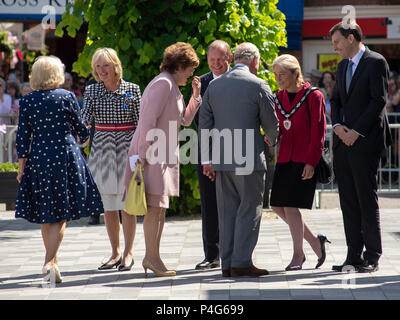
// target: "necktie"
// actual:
[[349, 74]]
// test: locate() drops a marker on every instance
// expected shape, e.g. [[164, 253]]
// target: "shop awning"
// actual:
[[318, 28], [26, 17], [293, 11]]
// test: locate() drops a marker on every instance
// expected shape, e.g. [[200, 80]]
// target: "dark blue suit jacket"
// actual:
[[205, 80], [363, 107]]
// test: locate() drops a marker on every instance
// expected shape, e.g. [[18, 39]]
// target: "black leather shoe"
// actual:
[[205, 264], [348, 264], [322, 240], [94, 219], [295, 267], [107, 266], [122, 267], [368, 267]]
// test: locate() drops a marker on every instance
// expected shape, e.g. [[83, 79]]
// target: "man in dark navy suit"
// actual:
[[219, 57], [361, 133]]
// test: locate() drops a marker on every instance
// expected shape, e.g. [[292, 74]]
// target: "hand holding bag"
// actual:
[[323, 171], [135, 203]]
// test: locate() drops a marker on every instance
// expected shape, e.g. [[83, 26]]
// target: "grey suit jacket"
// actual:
[[234, 107]]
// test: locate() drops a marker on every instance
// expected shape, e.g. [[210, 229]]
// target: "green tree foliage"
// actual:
[[140, 30]]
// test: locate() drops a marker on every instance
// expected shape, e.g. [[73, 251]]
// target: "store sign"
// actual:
[[393, 29], [34, 38], [328, 62], [32, 7]]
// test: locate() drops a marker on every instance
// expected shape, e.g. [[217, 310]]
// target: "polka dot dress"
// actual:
[[57, 184]]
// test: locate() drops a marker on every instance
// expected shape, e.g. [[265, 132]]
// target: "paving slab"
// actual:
[[85, 247]]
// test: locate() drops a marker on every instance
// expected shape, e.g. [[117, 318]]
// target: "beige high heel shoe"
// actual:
[[51, 273], [58, 274], [46, 272], [148, 265]]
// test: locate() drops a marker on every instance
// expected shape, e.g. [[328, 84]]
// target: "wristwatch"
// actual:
[[198, 99]]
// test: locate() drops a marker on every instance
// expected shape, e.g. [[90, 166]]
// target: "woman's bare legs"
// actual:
[[52, 234], [129, 229], [307, 233], [111, 219], [296, 227], [153, 225], [160, 230]]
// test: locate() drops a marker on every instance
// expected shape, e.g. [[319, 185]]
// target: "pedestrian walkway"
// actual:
[[84, 248]]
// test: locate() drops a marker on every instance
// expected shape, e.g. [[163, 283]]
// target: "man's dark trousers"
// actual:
[[361, 107], [208, 196], [209, 215]]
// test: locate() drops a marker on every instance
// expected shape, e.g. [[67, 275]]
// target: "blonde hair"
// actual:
[[109, 55], [47, 73], [291, 64]]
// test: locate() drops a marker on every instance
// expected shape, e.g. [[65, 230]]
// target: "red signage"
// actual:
[[371, 27]]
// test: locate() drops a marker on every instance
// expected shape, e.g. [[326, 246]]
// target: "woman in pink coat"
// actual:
[[162, 112]]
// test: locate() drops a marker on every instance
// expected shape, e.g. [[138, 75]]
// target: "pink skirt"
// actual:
[[156, 200]]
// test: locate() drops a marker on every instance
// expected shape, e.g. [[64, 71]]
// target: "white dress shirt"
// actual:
[[356, 60]]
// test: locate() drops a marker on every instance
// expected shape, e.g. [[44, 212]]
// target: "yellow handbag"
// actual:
[[135, 203]]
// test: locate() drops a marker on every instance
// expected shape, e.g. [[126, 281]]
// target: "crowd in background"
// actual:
[[326, 80], [12, 90]]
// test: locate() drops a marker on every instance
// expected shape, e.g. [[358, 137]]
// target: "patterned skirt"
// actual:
[[107, 161]]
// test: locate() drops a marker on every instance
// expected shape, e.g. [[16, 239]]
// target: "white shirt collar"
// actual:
[[356, 59], [215, 76]]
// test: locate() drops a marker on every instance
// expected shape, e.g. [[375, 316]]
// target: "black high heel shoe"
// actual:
[[123, 267], [322, 240], [296, 267], [107, 266]]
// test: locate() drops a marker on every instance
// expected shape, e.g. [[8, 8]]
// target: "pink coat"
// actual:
[[162, 107]]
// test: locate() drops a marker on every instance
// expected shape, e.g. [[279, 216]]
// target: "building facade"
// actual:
[[379, 21], [41, 17]]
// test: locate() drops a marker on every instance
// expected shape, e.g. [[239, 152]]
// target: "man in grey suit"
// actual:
[[234, 106]]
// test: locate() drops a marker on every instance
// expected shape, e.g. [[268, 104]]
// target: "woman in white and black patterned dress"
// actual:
[[114, 105]]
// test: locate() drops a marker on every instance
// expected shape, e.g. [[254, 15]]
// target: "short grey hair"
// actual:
[[246, 52]]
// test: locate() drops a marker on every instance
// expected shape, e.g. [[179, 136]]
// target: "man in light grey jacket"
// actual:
[[234, 107]]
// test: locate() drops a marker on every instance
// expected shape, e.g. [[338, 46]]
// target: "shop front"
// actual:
[[379, 23], [33, 23]]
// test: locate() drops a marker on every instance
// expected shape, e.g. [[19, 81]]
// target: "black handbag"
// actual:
[[323, 171]]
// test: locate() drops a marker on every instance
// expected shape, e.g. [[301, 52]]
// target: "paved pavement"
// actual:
[[85, 247]]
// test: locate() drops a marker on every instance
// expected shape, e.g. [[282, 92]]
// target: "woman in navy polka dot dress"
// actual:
[[55, 183]]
